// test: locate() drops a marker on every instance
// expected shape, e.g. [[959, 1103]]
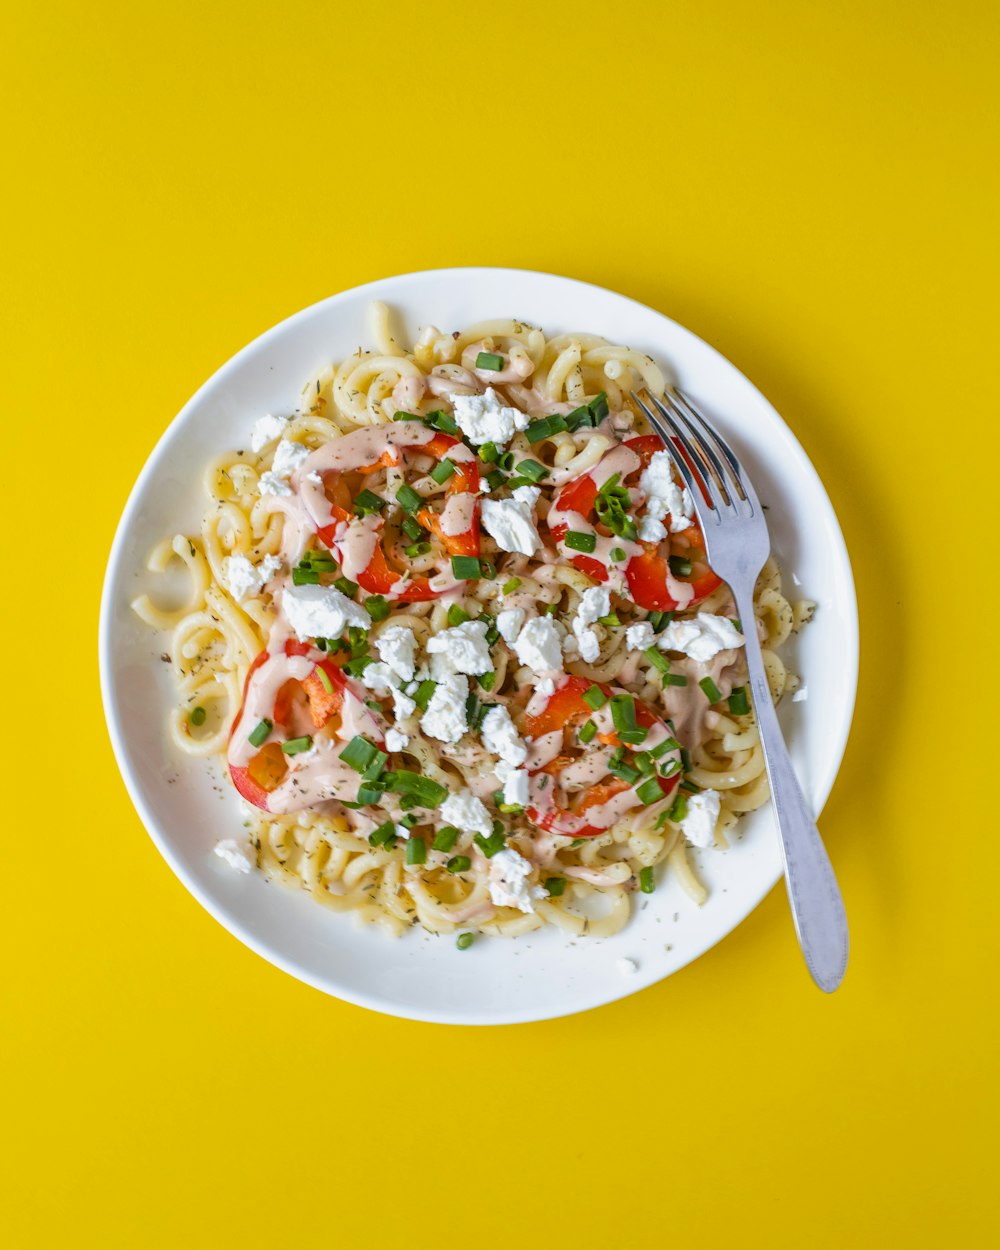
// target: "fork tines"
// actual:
[[702, 456]]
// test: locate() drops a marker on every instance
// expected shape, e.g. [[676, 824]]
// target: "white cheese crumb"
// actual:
[[446, 718], [235, 855], [511, 522], [272, 484], [627, 967], [801, 694], [546, 687], [266, 430], [500, 736], [244, 578], [594, 603], [484, 419], [650, 530], [663, 496], [698, 826], [466, 812], [513, 782], [287, 457], [701, 638], [397, 647], [508, 881], [396, 741], [538, 646], [321, 612], [640, 636], [509, 622], [463, 649], [382, 680]]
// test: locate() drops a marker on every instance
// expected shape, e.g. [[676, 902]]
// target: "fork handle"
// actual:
[[817, 907]]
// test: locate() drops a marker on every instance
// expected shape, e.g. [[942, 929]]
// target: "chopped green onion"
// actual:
[[413, 530], [577, 842], [406, 802], [368, 503], [690, 787], [712, 691], [659, 620], [355, 667], [737, 623], [611, 619], [408, 499], [487, 680], [551, 609], [649, 791], [428, 792], [370, 792], [578, 418], [305, 577], [579, 541], [626, 772], [359, 753], [381, 835], [488, 453], [647, 882], [508, 588], [376, 767], [645, 762], [686, 759], [471, 708], [489, 360], [443, 471], [623, 712], [532, 470], [406, 416], [680, 566], [197, 716], [464, 941], [489, 569], [491, 845], [417, 549], [346, 587], [670, 768], [657, 659], [678, 810], [443, 421], [445, 838], [545, 427], [595, 698], [410, 821], [505, 461], [555, 886], [295, 746], [459, 863], [457, 615], [260, 733], [658, 752], [587, 731], [416, 851], [377, 607], [617, 554], [466, 567], [739, 704], [674, 679], [324, 677], [373, 704], [422, 695], [599, 407], [495, 480]]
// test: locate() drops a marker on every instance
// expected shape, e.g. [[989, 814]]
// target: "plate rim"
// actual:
[[216, 908]]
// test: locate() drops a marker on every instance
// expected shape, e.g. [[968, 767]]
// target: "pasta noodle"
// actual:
[[262, 537]]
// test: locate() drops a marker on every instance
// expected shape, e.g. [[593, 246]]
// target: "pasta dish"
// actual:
[[451, 632]]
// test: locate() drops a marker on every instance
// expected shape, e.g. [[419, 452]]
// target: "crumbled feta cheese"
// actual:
[[546, 687], [463, 649], [698, 826], [446, 718], [382, 680], [397, 647], [663, 496], [484, 419], [701, 638], [315, 478], [509, 622], [513, 782], [321, 612], [538, 646], [651, 530], [508, 881], [640, 636], [244, 578], [266, 430], [594, 603], [234, 854], [396, 741], [287, 457], [627, 967], [272, 484], [801, 694], [466, 812], [500, 736], [511, 522]]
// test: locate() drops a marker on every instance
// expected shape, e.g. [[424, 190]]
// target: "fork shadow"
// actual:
[[862, 794]]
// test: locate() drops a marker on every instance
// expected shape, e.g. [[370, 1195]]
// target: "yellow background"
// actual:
[[810, 187]]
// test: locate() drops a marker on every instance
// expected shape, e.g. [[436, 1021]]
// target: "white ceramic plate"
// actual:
[[186, 807]]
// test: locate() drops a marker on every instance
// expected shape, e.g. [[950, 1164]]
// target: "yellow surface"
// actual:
[[810, 187]]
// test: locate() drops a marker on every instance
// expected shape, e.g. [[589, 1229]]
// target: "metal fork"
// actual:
[[737, 545]]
